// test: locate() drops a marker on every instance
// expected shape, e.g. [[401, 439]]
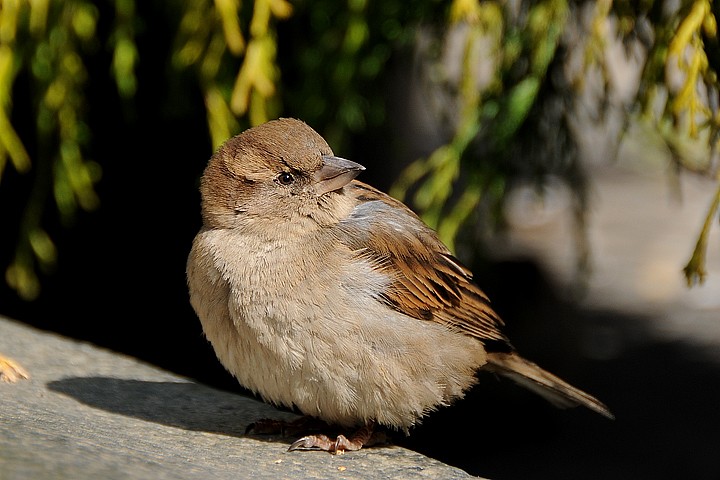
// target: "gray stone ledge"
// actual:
[[89, 413]]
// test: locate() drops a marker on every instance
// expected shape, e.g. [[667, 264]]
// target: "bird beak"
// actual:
[[335, 173]]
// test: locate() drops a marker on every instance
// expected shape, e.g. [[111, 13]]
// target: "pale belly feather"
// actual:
[[320, 340]]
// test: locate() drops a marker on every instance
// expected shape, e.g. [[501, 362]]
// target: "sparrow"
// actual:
[[322, 294]]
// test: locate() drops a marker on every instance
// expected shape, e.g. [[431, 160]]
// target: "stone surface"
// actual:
[[91, 413]]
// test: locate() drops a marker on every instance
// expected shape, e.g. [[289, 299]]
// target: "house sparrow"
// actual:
[[323, 294]]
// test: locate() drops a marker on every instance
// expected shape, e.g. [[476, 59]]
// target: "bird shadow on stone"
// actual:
[[190, 406], [195, 407]]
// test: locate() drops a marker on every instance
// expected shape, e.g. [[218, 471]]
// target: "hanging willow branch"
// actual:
[[337, 53], [212, 31], [448, 184], [55, 36]]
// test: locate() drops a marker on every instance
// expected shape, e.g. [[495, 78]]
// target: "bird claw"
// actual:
[[316, 441], [340, 445]]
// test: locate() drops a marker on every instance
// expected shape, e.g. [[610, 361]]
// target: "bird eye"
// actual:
[[285, 178]]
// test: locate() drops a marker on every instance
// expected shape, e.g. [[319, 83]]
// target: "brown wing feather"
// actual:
[[429, 283]]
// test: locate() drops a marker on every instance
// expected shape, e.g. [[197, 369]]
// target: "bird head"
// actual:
[[278, 174]]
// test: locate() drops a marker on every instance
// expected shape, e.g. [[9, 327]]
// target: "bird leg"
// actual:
[[271, 426], [339, 445], [364, 436]]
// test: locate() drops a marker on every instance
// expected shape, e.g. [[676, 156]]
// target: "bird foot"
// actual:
[[364, 436], [10, 371], [339, 445]]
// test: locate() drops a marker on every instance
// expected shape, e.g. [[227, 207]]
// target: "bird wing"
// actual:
[[428, 282]]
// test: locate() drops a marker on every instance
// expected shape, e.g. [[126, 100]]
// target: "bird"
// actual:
[[324, 295]]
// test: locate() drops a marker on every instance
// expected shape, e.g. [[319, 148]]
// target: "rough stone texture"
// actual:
[[91, 413]]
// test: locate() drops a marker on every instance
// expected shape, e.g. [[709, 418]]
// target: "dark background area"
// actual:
[[120, 283]]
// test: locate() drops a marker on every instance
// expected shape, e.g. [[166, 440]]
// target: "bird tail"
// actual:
[[553, 389]]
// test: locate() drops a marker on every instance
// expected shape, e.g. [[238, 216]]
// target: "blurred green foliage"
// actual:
[[47, 39], [326, 65]]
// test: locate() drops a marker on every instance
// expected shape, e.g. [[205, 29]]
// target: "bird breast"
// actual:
[[306, 327]]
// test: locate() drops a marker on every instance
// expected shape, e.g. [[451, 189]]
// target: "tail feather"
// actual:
[[553, 389]]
